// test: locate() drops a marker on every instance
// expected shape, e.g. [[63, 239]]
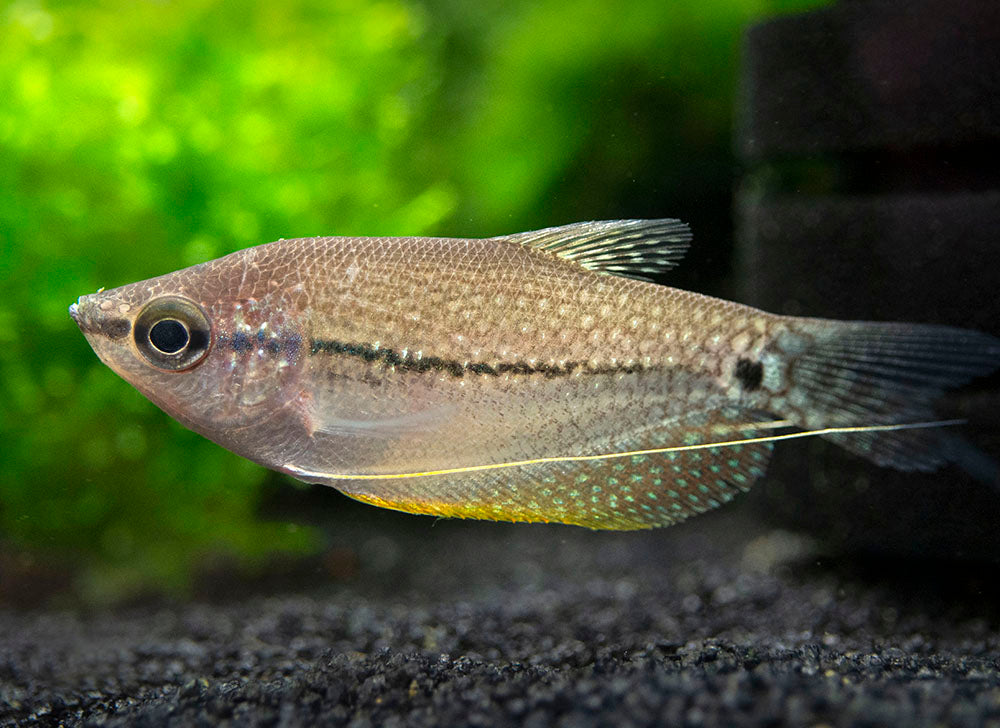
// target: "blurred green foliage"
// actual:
[[137, 138]]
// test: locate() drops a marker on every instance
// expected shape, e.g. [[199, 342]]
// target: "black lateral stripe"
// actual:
[[243, 343], [392, 358]]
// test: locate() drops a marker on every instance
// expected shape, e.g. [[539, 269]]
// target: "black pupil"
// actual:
[[169, 336]]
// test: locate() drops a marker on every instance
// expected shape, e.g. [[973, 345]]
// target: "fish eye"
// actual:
[[172, 333], [169, 336]]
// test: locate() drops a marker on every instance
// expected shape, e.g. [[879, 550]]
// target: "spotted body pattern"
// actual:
[[402, 370]]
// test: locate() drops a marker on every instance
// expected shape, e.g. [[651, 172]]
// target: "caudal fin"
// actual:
[[857, 373]]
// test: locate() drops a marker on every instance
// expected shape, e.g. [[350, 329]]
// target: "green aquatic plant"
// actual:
[[138, 138]]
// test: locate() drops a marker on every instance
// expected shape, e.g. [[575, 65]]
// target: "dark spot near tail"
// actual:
[[749, 373]]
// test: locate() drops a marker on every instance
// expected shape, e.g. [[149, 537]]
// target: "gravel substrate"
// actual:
[[720, 621]]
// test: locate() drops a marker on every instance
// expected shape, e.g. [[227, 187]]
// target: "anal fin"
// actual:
[[634, 491]]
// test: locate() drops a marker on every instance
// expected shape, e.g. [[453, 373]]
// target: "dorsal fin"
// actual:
[[629, 248]]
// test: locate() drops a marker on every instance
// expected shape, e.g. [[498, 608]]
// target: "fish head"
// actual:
[[215, 352]]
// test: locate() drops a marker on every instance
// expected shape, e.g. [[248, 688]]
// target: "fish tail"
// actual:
[[847, 373]]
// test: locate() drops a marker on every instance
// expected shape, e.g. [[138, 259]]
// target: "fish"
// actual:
[[538, 376]]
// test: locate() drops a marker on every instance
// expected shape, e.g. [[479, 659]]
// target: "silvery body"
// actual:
[[374, 364]]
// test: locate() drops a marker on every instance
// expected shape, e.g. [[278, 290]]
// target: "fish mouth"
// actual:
[[80, 312], [94, 319]]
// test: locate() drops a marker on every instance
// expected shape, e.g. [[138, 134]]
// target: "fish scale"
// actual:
[[629, 492], [529, 377]]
